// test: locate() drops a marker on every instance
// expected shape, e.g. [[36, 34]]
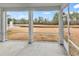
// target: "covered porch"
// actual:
[[32, 47]]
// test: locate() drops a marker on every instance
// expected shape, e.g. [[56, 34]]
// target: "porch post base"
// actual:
[[61, 44], [29, 42]]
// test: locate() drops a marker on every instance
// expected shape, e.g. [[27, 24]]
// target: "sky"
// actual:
[[45, 14], [24, 14], [73, 7]]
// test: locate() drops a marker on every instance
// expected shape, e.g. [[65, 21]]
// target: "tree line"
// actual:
[[40, 20]]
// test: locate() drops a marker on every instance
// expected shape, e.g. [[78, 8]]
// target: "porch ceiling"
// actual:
[[27, 6]]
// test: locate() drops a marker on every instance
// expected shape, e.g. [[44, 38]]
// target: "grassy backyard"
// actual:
[[41, 32]]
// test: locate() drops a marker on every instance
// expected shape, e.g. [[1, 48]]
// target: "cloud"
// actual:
[[76, 6], [71, 12], [18, 15], [46, 12]]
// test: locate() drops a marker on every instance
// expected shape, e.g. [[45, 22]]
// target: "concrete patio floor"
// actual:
[[21, 48]]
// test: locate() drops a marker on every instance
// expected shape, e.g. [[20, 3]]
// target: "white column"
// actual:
[[61, 28], [30, 26], [2, 26], [5, 25]]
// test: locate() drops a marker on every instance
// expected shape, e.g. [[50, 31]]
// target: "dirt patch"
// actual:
[[44, 34]]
